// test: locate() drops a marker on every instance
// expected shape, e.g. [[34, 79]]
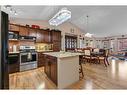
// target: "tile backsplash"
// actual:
[[43, 46]]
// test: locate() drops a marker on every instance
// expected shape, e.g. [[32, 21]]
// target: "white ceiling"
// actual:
[[103, 20]]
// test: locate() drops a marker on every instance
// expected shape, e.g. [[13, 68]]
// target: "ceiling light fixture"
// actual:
[[8, 9], [62, 16]]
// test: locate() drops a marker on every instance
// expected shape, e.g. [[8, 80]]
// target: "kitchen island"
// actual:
[[62, 68]]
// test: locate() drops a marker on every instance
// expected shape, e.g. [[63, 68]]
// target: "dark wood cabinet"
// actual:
[[41, 59], [39, 36], [56, 35], [13, 68], [57, 46], [47, 36], [24, 31], [51, 68], [13, 63], [48, 67], [13, 27], [56, 40], [43, 36], [32, 32]]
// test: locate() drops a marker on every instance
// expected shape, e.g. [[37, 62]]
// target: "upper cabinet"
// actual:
[[32, 32], [56, 40], [56, 35], [24, 31], [46, 36], [13, 27], [39, 36], [43, 36]]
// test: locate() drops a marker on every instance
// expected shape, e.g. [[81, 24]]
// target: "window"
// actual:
[[122, 44], [70, 42]]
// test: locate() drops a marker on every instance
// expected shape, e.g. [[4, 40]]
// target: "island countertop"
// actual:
[[62, 68], [62, 54]]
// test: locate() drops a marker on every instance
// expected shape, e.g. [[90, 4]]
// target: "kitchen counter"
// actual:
[[63, 54], [13, 52], [44, 51], [36, 50]]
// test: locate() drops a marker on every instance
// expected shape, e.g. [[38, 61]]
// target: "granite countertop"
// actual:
[[36, 50], [44, 50], [62, 54], [13, 52]]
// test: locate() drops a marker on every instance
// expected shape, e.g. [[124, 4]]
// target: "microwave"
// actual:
[[13, 35]]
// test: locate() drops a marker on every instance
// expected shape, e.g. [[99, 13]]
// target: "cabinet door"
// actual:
[[56, 39], [56, 36], [32, 32], [57, 46], [43, 36], [54, 70], [47, 36], [13, 63], [13, 27], [39, 36], [41, 60], [23, 31], [13, 68], [47, 68]]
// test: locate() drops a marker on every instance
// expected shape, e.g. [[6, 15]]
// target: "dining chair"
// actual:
[[96, 50], [88, 57], [104, 58], [78, 50]]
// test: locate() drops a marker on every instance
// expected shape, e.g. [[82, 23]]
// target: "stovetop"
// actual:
[[27, 50]]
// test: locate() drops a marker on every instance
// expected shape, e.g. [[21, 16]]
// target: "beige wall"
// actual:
[[65, 27]]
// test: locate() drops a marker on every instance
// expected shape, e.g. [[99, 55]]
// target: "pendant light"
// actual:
[[87, 28]]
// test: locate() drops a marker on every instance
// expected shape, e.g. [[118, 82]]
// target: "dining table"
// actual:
[[96, 54]]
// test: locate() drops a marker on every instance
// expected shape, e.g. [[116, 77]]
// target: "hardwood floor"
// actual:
[[96, 76]]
